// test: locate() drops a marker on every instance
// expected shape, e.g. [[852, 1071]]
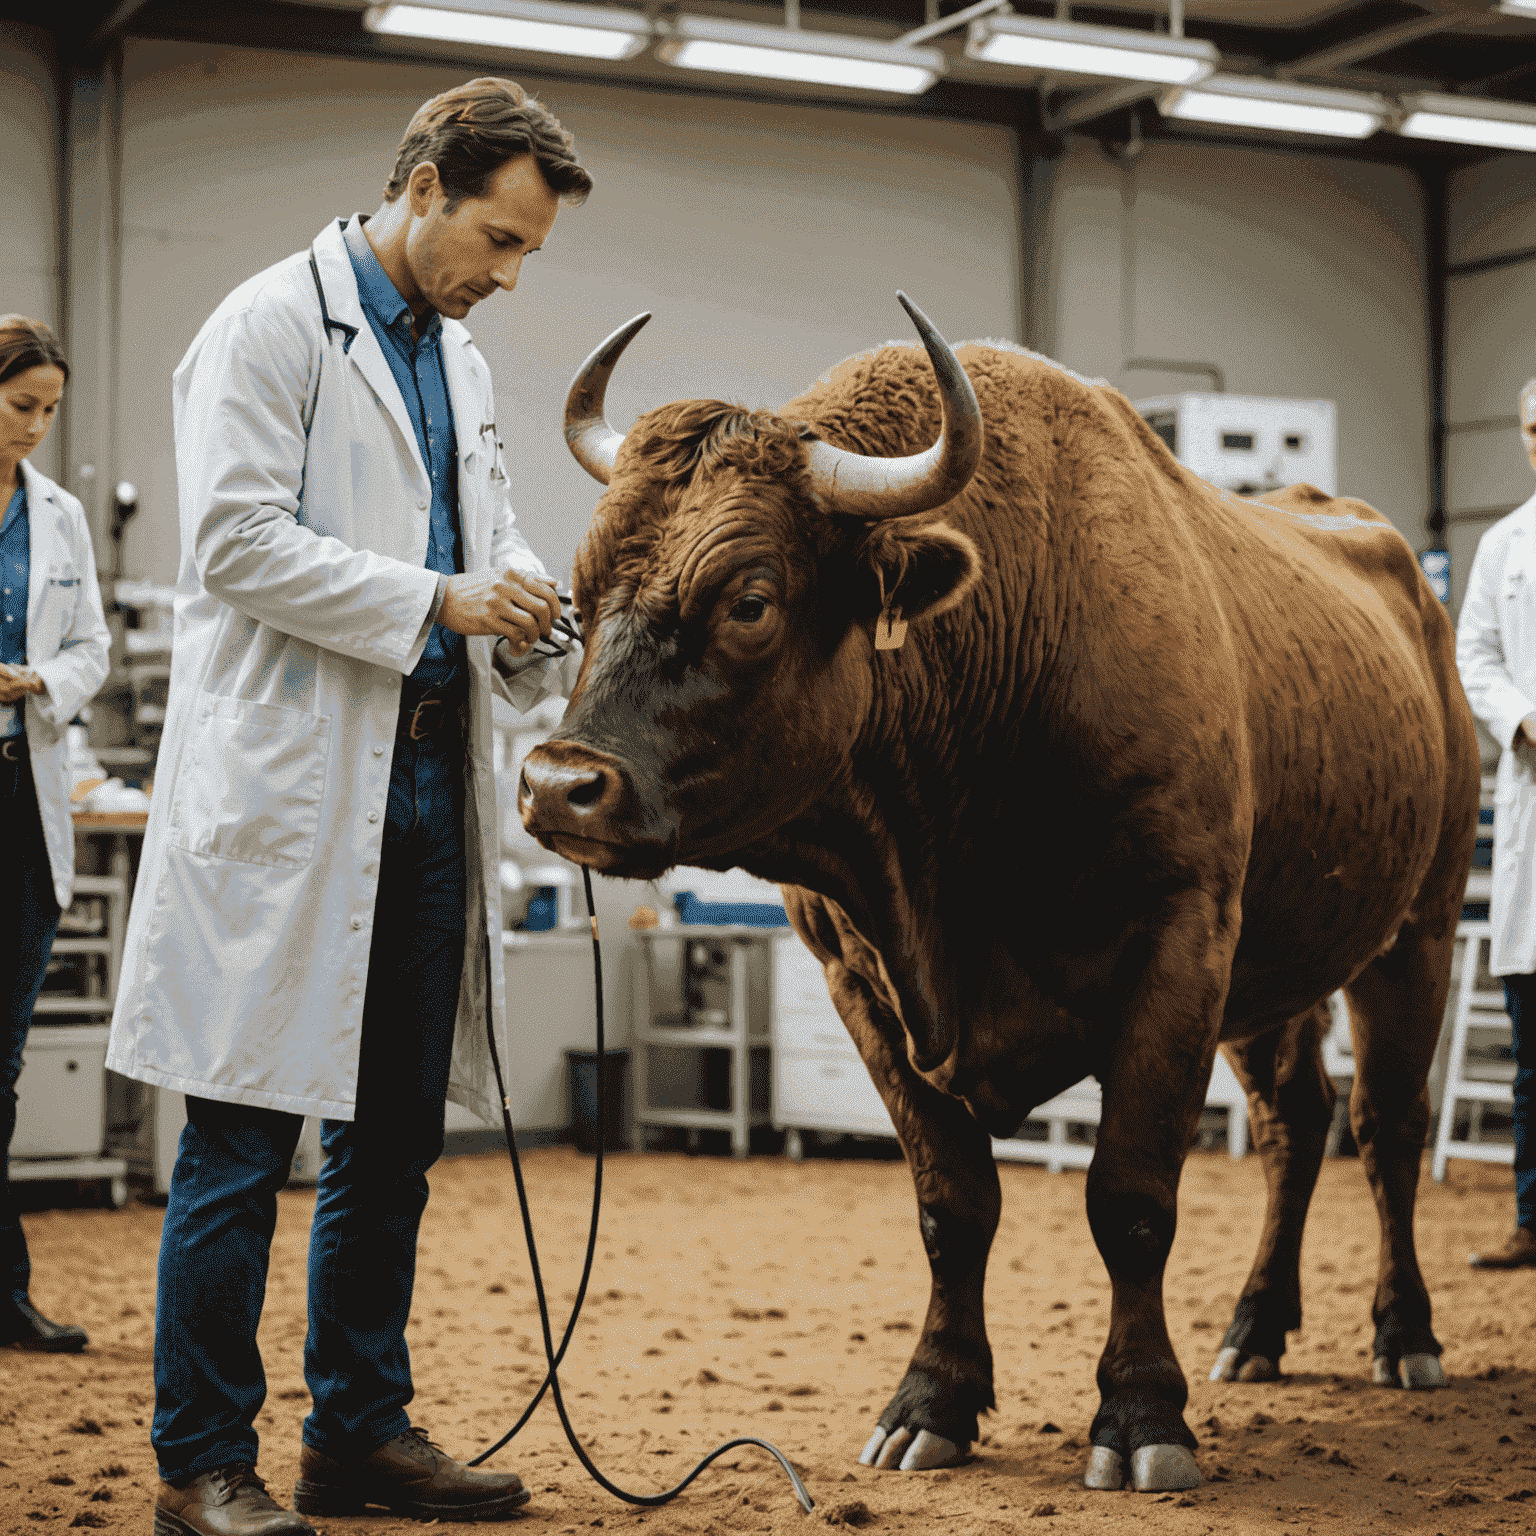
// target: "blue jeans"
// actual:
[[1520, 995], [232, 1160], [29, 918]]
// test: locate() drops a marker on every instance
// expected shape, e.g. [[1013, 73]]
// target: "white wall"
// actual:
[[29, 231], [769, 244], [1298, 275], [1490, 351]]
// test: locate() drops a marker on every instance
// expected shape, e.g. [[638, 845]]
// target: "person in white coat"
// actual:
[[53, 657], [1496, 656], [316, 926]]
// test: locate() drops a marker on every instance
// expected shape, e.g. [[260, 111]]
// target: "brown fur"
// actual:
[[1155, 767]]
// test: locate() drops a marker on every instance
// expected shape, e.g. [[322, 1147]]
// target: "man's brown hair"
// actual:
[[470, 132], [26, 343]]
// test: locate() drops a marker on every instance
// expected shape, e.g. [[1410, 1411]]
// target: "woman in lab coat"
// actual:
[[53, 657], [1496, 656]]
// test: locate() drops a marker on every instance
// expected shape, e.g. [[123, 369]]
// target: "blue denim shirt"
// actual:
[[418, 370], [15, 573]]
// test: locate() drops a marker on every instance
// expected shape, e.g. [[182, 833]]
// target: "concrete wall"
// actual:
[[29, 231], [1490, 351], [768, 244], [1298, 275]]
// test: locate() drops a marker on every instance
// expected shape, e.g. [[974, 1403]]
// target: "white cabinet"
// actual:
[[59, 1095], [820, 1082]]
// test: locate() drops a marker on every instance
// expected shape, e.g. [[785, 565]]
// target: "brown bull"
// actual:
[[1154, 768]]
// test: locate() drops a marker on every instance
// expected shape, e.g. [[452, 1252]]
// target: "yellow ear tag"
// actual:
[[890, 630]]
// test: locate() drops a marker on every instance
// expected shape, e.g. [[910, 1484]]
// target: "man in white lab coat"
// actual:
[[316, 925], [1496, 655]]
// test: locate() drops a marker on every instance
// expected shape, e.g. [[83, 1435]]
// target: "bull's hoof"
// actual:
[[1234, 1364], [1418, 1373], [1106, 1469], [1163, 1469], [907, 1452]]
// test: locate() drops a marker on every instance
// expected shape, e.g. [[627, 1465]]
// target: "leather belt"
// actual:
[[13, 749], [429, 716]]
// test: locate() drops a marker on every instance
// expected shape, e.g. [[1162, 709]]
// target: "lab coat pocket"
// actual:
[[61, 592], [250, 786]]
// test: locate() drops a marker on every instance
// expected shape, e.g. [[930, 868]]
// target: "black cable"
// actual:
[[552, 1356]]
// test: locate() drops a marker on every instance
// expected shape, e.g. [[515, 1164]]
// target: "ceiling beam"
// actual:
[[116, 19], [1100, 103], [1369, 44]]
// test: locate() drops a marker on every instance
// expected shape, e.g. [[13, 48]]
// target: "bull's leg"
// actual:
[[1290, 1107], [1153, 1091], [931, 1421], [1395, 1008]]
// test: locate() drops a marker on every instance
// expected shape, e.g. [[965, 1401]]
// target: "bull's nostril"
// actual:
[[588, 792]]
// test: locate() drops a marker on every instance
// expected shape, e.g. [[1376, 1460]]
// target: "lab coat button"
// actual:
[[373, 815], [378, 751], [357, 922], [421, 506]]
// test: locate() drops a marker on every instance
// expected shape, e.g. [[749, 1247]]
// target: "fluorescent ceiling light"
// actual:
[[818, 58], [1073, 48], [534, 26], [1525, 8], [1238, 102], [1470, 120]]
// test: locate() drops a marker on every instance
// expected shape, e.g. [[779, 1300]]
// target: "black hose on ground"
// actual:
[[553, 1357]]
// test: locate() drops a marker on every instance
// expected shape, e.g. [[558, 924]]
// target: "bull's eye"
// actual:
[[748, 609]]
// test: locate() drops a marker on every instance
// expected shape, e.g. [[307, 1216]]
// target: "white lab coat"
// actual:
[[302, 602], [67, 644], [1496, 656]]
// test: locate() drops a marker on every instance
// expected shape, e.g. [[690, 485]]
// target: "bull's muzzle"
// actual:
[[575, 800]]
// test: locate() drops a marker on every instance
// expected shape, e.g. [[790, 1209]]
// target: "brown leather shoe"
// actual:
[[409, 1476], [1519, 1249], [230, 1501]]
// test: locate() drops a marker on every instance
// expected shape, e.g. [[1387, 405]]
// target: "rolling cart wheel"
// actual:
[[114, 1193], [794, 1147]]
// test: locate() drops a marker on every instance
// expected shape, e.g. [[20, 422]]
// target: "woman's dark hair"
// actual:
[[28, 344], [470, 132]]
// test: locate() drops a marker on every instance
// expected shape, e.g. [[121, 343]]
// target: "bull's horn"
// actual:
[[857, 486], [594, 443]]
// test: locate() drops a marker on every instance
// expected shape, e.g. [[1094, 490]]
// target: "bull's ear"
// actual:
[[923, 570]]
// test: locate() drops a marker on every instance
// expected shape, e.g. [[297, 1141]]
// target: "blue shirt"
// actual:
[[417, 367], [15, 573]]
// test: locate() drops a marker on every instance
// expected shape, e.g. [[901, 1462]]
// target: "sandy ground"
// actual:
[[780, 1299]]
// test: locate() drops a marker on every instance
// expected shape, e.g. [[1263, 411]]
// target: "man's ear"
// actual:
[[924, 570], [422, 186]]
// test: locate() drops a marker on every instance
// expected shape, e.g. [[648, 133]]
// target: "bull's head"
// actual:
[[729, 590]]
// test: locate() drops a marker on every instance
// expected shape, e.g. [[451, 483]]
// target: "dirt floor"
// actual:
[[782, 1300]]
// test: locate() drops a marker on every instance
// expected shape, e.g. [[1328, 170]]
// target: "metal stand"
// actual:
[[67, 1048], [1474, 1074], [741, 1034]]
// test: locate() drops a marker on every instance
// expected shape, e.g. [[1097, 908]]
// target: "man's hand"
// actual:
[[520, 608], [17, 682], [1525, 733]]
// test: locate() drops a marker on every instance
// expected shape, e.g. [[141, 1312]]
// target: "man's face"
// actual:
[[1528, 421], [460, 258]]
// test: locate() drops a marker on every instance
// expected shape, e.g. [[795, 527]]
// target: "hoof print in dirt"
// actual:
[[907, 1452], [1234, 1365], [1418, 1373], [1154, 1469], [854, 1512]]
